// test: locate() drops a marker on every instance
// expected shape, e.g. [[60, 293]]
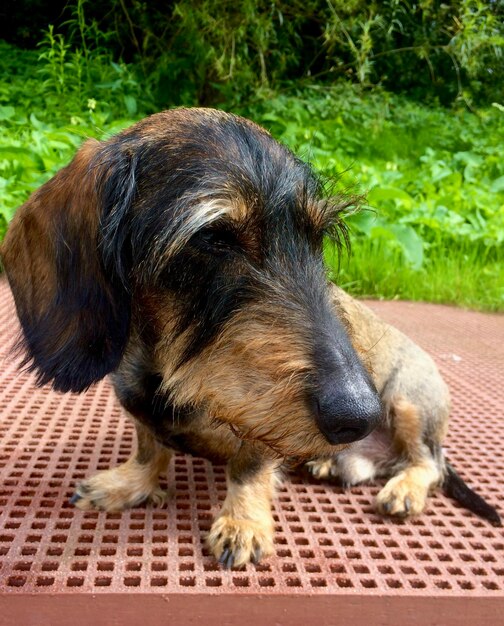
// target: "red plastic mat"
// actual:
[[336, 559]]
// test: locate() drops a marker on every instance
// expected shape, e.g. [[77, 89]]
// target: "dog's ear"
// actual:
[[74, 309]]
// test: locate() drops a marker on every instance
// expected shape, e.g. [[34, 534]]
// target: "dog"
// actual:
[[183, 257]]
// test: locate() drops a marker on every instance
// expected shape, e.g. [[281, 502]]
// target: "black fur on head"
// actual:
[[216, 201]]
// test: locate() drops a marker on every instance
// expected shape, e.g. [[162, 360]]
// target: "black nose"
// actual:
[[347, 415]]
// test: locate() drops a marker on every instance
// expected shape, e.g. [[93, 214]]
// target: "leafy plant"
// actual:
[[434, 178], [209, 51]]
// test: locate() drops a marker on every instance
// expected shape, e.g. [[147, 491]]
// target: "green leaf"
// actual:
[[37, 123], [6, 112], [131, 104], [381, 193], [411, 244], [497, 185], [14, 152], [363, 221]]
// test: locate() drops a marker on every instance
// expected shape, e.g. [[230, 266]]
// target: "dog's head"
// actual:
[[201, 236]]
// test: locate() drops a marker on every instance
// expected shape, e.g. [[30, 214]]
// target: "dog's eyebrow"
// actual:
[[328, 213], [204, 211], [321, 212]]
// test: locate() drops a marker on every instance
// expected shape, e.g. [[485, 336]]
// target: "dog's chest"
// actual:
[[183, 429]]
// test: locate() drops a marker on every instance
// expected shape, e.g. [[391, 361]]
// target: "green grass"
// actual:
[[434, 177], [460, 277]]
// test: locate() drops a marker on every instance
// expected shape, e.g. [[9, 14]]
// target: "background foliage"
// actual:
[[206, 50], [399, 99]]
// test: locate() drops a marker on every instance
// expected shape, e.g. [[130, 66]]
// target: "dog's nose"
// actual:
[[344, 415]]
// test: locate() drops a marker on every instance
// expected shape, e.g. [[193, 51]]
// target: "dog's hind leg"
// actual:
[[129, 484], [416, 471], [243, 530]]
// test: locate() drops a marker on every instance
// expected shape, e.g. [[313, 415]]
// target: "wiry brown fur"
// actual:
[[274, 412], [184, 258]]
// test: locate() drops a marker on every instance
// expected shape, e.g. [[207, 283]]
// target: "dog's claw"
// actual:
[[256, 556], [227, 559], [75, 498], [387, 506], [230, 561], [407, 504], [226, 553]]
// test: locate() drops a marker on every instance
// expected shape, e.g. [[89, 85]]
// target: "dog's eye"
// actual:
[[218, 239]]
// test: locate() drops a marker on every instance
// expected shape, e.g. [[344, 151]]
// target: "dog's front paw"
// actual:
[[116, 490], [402, 497], [235, 542]]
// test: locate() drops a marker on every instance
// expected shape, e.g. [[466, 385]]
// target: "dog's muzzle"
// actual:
[[347, 415], [345, 403]]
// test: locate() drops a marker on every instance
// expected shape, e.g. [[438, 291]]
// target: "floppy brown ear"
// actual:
[[74, 313]]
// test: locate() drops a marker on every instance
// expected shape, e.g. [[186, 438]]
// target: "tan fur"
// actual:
[[245, 524], [407, 430], [131, 483], [277, 418], [266, 347], [406, 493]]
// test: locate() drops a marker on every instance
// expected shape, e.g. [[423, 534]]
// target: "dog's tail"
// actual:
[[454, 487]]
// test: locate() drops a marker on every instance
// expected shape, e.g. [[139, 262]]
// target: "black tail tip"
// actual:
[[490, 514], [456, 488], [495, 519]]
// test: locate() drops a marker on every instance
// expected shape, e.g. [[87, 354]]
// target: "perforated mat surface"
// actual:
[[329, 542]]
